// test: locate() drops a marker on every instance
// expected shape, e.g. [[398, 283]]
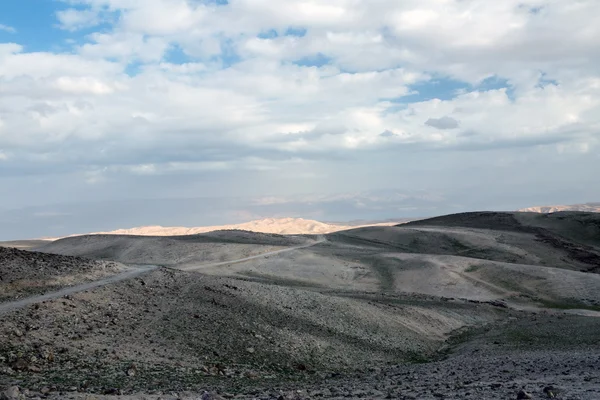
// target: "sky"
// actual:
[[220, 111]]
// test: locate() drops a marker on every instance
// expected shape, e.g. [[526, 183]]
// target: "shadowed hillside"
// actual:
[[24, 273]]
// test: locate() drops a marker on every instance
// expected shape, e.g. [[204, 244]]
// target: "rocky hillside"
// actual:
[[482, 305], [25, 273], [203, 248]]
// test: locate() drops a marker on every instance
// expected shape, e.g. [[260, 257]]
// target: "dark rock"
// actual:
[[20, 364], [522, 395], [550, 391], [12, 393], [132, 370]]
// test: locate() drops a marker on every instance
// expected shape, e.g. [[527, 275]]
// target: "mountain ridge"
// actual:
[[282, 226]]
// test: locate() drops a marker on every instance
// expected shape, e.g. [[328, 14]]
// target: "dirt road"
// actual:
[[241, 260], [131, 273]]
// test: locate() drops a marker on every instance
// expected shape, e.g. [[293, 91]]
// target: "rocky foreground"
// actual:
[[538, 355]]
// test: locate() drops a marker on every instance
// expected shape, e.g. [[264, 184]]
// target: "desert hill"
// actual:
[[438, 308], [479, 256], [208, 247], [586, 207], [24, 273], [282, 226]]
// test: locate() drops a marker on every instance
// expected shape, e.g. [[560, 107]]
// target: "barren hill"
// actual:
[[282, 226], [24, 273], [208, 247]]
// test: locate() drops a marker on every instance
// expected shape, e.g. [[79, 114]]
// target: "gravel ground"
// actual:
[[471, 306], [485, 365], [24, 273]]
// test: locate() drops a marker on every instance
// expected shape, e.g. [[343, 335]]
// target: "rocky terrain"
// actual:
[[586, 207], [173, 250], [476, 305], [24, 273]]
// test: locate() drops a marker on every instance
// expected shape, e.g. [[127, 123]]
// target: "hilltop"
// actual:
[[586, 207], [281, 226]]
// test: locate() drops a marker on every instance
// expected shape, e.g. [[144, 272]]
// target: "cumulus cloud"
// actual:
[[7, 28], [387, 134], [442, 123], [72, 19], [167, 87]]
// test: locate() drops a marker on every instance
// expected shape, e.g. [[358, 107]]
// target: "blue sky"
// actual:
[[36, 25], [111, 99]]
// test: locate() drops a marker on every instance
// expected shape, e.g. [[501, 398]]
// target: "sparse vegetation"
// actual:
[[473, 268]]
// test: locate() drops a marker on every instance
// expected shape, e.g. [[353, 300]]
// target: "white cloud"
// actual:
[[444, 122], [9, 48], [83, 85], [7, 28], [126, 47], [72, 19], [213, 86]]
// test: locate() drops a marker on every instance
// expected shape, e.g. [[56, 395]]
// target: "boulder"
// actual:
[[12, 393], [523, 395]]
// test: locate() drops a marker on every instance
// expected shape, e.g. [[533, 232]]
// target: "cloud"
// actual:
[[442, 123], [184, 88], [73, 19], [388, 134], [7, 28]]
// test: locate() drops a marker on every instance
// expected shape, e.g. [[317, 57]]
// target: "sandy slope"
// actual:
[[282, 226]]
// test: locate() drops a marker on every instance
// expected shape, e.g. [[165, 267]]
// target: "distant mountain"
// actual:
[[59, 220], [587, 207], [283, 226]]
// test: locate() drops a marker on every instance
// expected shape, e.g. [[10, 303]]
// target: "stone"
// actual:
[[20, 364], [12, 393], [34, 368], [211, 396], [550, 391], [48, 355], [132, 370], [251, 374], [523, 395]]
